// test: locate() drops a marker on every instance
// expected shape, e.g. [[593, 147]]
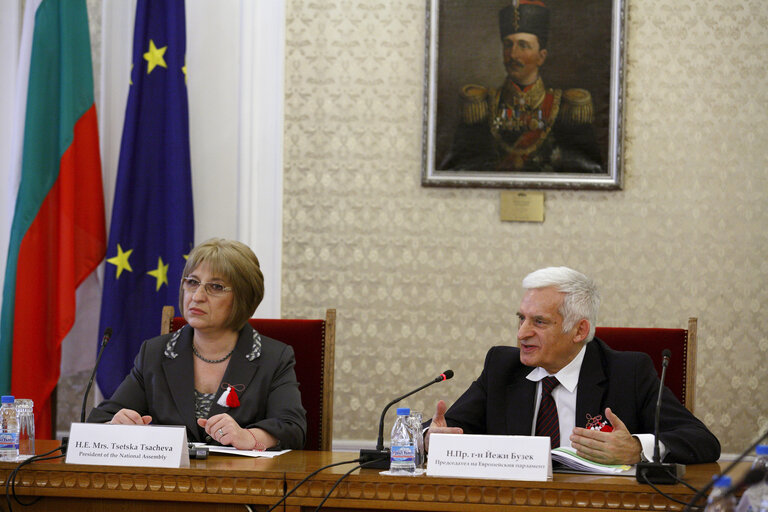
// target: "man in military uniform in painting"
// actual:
[[523, 126]]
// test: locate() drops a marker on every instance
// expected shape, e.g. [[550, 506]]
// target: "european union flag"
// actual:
[[152, 218]]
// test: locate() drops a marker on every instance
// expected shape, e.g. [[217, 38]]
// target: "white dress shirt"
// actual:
[[565, 400]]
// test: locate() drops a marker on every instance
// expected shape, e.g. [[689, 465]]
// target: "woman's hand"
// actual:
[[226, 431], [129, 417]]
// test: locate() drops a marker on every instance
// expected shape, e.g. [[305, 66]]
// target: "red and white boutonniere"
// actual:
[[598, 423], [229, 397]]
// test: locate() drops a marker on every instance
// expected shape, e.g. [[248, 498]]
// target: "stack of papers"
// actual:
[[229, 450], [565, 460]]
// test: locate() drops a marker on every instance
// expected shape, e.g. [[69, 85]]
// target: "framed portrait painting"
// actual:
[[523, 94]]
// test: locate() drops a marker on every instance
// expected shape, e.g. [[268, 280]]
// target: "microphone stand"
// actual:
[[104, 340], [657, 472], [378, 458]]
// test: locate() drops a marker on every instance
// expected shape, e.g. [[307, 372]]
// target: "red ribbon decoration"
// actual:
[[232, 399]]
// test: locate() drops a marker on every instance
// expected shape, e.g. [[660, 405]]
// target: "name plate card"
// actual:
[[128, 445], [497, 457]]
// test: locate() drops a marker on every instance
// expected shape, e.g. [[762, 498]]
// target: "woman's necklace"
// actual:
[[212, 361]]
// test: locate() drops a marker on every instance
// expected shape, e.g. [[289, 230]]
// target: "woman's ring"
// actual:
[[221, 433]]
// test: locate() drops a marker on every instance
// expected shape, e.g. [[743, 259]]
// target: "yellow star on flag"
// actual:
[[160, 273], [154, 57], [121, 260]]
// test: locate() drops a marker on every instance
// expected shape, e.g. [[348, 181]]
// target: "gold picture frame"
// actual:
[[563, 131]]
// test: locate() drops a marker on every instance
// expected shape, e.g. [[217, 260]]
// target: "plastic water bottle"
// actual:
[[717, 501], [9, 430], [415, 419], [25, 413], [402, 448], [755, 498]]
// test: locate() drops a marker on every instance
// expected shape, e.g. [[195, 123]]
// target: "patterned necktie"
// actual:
[[547, 423]]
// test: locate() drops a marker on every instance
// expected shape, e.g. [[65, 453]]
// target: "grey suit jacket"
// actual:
[[502, 401], [161, 384]]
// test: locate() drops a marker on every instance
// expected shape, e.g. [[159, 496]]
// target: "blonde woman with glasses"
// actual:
[[217, 376]]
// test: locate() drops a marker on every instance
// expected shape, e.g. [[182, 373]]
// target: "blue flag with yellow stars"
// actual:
[[152, 226]]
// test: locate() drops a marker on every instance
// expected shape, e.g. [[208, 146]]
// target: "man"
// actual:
[[557, 318], [522, 126]]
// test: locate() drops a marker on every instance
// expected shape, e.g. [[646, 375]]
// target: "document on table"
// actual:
[[572, 463], [230, 450]]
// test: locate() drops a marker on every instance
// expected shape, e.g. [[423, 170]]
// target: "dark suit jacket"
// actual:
[[163, 387], [502, 401]]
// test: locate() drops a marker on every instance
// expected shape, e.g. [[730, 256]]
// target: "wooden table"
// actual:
[[227, 483]]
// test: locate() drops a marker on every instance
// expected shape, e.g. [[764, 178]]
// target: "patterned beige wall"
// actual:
[[428, 279]]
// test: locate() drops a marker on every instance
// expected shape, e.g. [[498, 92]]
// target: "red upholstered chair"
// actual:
[[681, 371], [313, 342]]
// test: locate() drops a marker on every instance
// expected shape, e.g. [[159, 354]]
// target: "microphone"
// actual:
[[665, 354], [379, 457], [104, 340], [656, 472]]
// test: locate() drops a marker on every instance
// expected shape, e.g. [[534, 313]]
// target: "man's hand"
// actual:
[[439, 425], [617, 447], [129, 417]]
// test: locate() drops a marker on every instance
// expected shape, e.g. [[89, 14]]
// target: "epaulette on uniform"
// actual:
[[577, 107], [474, 103]]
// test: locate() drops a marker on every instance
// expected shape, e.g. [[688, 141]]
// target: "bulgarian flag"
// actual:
[[58, 234]]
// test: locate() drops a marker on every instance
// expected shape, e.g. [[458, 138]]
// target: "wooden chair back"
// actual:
[[681, 371]]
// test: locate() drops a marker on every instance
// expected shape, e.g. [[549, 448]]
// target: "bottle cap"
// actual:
[[7, 399], [723, 481], [403, 411]]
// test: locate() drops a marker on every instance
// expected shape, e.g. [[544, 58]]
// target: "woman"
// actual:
[[217, 376]]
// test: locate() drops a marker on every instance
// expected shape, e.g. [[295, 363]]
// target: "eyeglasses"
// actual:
[[191, 285]]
